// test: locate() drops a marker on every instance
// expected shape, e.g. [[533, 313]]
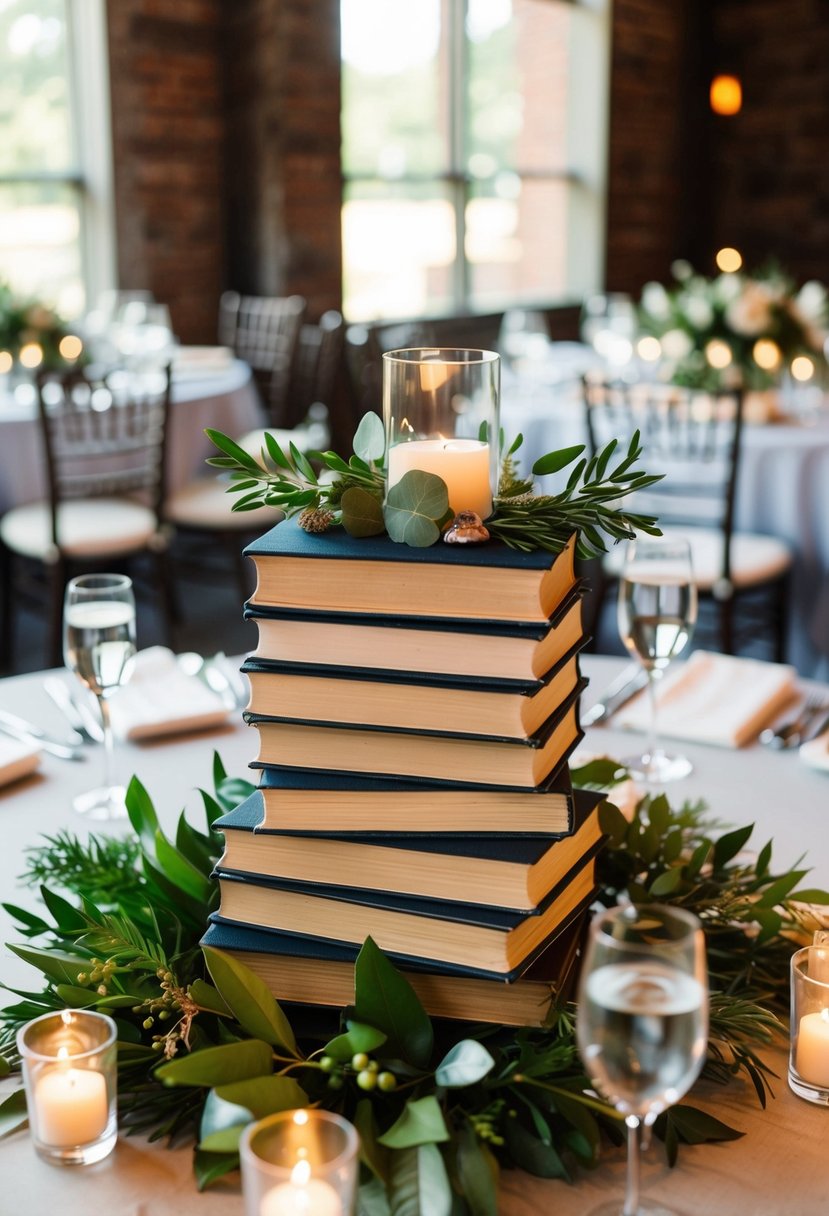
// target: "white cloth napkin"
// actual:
[[715, 698], [161, 699], [193, 362], [17, 759], [815, 753]]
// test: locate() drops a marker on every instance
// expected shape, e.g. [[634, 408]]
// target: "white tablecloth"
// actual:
[[778, 1169], [226, 400], [782, 491]]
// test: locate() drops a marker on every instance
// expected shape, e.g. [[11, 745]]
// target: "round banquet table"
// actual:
[[782, 489], [225, 399], [777, 1169]]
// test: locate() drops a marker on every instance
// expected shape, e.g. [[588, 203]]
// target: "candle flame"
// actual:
[[63, 1053], [66, 1017], [824, 1013], [301, 1173], [300, 1117]]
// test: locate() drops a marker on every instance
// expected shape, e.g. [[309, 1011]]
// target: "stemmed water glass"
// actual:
[[98, 646], [642, 1021], [657, 612]]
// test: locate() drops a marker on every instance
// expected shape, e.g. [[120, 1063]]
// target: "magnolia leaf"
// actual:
[[359, 1037], [372, 1199], [250, 1000], [553, 462], [667, 882], [218, 1065], [531, 1154], [5, 1067], [421, 1122], [375, 1156], [612, 822], [142, 814], [414, 506], [207, 997], [385, 999], [598, 773], [477, 1174], [26, 918], [61, 968], [419, 1183], [209, 1167], [13, 1112], [222, 1123], [370, 438], [229, 1108], [66, 915], [195, 847], [362, 513], [180, 871], [729, 845], [464, 1064], [694, 1126], [75, 997]]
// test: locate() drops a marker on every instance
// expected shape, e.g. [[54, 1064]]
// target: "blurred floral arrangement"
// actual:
[[32, 334], [737, 329]]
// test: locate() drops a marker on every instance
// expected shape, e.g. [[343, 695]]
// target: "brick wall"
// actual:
[[168, 130]]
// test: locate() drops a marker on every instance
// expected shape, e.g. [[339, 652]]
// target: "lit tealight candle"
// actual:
[[302, 1196], [812, 1057], [463, 464], [70, 1104]]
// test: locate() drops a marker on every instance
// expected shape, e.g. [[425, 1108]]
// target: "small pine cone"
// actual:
[[316, 519]]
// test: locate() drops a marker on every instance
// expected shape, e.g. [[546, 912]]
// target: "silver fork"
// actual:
[[792, 733]]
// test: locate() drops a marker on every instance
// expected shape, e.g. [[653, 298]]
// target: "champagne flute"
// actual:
[[98, 645], [657, 612], [642, 1020]]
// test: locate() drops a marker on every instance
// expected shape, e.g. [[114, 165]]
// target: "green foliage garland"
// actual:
[[416, 509], [204, 1048]]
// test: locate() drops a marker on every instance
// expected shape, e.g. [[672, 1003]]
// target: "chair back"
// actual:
[[317, 366], [103, 435], [264, 331], [691, 436]]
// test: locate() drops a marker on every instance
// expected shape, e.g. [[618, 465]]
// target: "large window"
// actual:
[[55, 225], [474, 148]]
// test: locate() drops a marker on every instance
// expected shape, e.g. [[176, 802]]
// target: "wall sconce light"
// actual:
[[726, 95]]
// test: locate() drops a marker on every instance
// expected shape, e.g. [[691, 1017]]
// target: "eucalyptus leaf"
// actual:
[[375, 1156], [222, 1123], [419, 1184], [250, 1000], [666, 883], [5, 1067], [421, 1122], [464, 1064], [385, 999], [372, 1199], [362, 513], [695, 1126], [370, 438], [413, 505], [218, 1065], [209, 1167], [13, 1114], [530, 1154], [229, 1108]]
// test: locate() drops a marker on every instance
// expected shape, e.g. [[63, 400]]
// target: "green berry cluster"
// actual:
[[100, 975], [367, 1073], [485, 1122]]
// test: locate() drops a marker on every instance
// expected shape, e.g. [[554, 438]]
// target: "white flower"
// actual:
[[681, 270], [697, 309], [676, 344], [810, 302], [749, 313], [655, 301], [727, 287]]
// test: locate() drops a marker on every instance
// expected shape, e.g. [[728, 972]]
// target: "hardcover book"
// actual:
[[333, 572], [475, 649], [513, 872]]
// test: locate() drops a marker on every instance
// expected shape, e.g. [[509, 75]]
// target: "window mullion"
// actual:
[[458, 144]]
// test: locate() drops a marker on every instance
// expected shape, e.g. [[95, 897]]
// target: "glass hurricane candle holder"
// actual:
[[299, 1163], [70, 1072], [809, 1053], [441, 413]]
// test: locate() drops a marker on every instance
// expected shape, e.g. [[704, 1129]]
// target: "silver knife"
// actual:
[[11, 725], [77, 714], [626, 685]]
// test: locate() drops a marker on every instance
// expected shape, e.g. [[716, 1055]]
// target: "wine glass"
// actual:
[[657, 612], [642, 1020], [609, 324], [98, 645]]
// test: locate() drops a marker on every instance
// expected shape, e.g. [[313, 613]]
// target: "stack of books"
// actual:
[[416, 709]]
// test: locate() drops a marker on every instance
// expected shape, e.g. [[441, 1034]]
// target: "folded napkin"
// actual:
[[715, 698], [815, 753], [17, 759], [161, 699], [193, 362]]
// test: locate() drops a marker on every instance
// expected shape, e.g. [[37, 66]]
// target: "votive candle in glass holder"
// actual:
[[70, 1072], [809, 1054], [441, 414], [299, 1163]]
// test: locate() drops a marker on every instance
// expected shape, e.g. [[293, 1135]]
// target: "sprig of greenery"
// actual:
[[416, 508], [203, 1046]]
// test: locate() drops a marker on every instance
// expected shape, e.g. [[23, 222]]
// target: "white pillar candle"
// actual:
[[302, 1196], [463, 464], [71, 1106], [812, 1056]]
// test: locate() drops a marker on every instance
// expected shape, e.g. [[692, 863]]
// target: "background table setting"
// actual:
[[750, 784]]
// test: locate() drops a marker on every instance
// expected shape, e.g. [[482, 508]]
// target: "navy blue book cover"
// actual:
[[520, 688], [287, 539], [225, 934]]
